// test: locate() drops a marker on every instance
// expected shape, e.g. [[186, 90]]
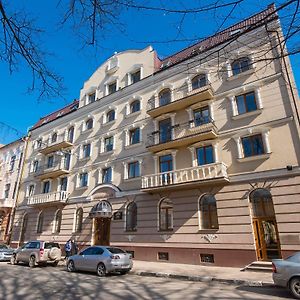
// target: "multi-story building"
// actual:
[[11, 162], [191, 159]]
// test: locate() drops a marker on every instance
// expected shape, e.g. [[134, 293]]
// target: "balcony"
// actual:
[[181, 135], [207, 174], [48, 198], [182, 99], [61, 142], [4, 202], [58, 168]]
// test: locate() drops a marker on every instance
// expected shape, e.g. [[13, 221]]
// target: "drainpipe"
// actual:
[[19, 178]]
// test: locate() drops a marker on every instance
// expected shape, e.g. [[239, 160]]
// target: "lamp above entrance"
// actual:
[[102, 209]]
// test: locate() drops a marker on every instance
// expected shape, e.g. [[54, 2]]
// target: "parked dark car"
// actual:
[[5, 252], [286, 273], [102, 260]]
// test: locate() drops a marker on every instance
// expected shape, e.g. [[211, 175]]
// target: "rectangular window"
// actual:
[[12, 163], [6, 190], [35, 166], [109, 144], [83, 179], [246, 103], [134, 136], [39, 144], [46, 187], [106, 175], [163, 256], [135, 77], [205, 155], [14, 190], [165, 131], [133, 169], [201, 116], [92, 97], [207, 258], [165, 163], [63, 183], [30, 190], [86, 150], [112, 88], [253, 145], [20, 160], [50, 161]]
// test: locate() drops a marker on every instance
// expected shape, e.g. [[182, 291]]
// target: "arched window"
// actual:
[[78, 220], [165, 215], [199, 81], [208, 212], [71, 134], [110, 116], [131, 217], [261, 203], [40, 222], [135, 106], [57, 221], [89, 124], [54, 137], [164, 97], [240, 65]]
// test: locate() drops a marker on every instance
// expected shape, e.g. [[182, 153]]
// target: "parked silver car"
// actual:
[[5, 252], [37, 252], [101, 259], [286, 273]]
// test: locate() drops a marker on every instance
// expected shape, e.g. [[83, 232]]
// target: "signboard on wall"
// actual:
[[118, 215]]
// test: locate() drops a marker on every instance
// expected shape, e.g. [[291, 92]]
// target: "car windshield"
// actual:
[[294, 258], [2, 246], [115, 250], [51, 245]]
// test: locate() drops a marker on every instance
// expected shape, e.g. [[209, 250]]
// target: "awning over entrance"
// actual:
[[102, 209]]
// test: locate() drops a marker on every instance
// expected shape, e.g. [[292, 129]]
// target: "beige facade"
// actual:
[[11, 161], [193, 160]]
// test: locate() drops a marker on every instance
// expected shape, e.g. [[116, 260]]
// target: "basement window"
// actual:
[[163, 256], [207, 258]]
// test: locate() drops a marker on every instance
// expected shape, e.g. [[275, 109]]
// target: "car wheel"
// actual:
[[71, 266], [295, 287], [101, 270], [13, 260], [32, 261]]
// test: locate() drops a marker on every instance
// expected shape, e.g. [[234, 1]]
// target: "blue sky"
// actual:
[[21, 110]]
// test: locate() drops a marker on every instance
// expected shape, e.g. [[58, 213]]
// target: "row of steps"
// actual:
[[259, 266]]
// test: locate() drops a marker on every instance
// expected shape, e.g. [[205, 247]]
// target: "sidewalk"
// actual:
[[201, 273]]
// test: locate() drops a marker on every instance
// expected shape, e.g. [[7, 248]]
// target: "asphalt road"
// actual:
[[21, 282]]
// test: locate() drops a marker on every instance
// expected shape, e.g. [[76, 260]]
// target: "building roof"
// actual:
[[227, 34], [57, 114]]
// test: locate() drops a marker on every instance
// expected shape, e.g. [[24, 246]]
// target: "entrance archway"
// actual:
[[101, 214], [264, 225]]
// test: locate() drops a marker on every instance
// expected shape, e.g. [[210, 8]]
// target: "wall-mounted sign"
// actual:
[[118, 215]]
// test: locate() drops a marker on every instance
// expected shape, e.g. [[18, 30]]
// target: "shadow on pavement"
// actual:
[[268, 291]]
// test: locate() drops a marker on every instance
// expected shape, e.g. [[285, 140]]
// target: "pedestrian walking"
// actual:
[[74, 247], [68, 248]]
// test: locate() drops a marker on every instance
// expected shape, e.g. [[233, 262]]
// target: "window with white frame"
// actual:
[[107, 175], [205, 155], [240, 65], [164, 97], [86, 151], [199, 81], [40, 222], [246, 103], [57, 221], [12, 163], [112, 87], [135, 76], [108, 144], [201, 116], [46, 187], [6, 190], [133, 169], [208, 212], [134, 136], [92, 97], [35, 166], [166, 215], [135, 106], [39, 143], [78, 220], [30, 190], [83, 179], [89, 124], [50, 161], [63, 183], [110, 116], [70, 136], [54, 138]]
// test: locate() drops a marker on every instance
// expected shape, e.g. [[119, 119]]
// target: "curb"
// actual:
[[203, 279]]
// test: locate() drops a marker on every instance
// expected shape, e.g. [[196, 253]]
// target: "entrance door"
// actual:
[[266, 239], [264, 225], [102, 231]]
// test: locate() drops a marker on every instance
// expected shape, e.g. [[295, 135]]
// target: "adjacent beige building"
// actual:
[[11, 162], [190, 159]]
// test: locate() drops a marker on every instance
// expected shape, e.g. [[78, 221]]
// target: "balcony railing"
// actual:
[[4, 202], [58, 168], [210, 172], [181, 98], [61, 142], [55, 197], [181, 135]]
